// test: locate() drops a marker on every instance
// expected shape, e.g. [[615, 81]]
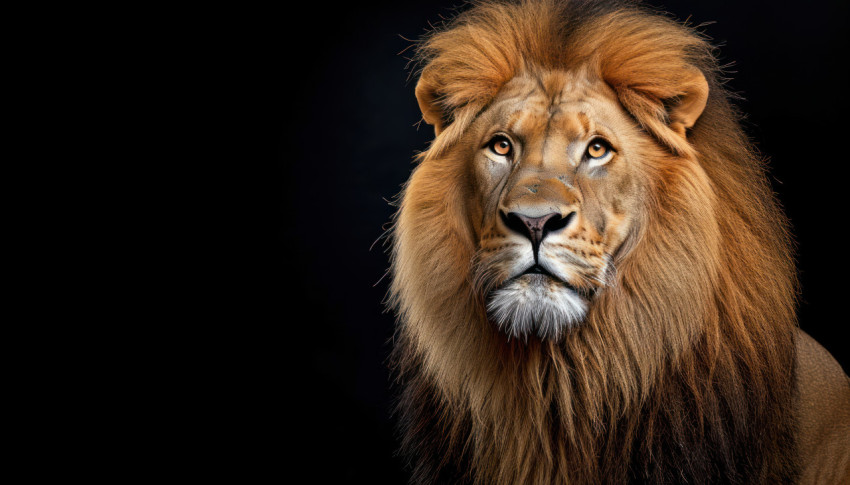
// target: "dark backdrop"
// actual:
[[347, 133]]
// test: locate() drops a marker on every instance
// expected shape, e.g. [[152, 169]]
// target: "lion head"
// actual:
[[587, 255]]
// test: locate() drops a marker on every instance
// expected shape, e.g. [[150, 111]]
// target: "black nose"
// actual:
[[535, 228]]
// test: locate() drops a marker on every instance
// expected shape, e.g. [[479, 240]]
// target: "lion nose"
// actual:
[[536, 228]]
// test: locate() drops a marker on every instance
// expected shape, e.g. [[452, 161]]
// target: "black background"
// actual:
[[346, 125]]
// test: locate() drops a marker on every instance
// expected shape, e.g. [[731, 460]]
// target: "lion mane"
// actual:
[[683, 370]]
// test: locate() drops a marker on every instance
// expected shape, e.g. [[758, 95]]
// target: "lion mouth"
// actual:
[[537, 274], [537, 269]]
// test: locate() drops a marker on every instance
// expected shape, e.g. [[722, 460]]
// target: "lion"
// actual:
[[593, 279]]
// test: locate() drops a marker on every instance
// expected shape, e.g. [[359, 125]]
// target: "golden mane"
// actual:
[[685, 360]]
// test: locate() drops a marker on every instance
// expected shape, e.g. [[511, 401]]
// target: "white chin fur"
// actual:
[[533, 304]]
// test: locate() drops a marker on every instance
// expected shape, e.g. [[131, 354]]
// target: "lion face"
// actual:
[[557, 190]]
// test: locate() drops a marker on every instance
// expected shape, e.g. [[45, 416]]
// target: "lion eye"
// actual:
[[598, 149], [500, 146]]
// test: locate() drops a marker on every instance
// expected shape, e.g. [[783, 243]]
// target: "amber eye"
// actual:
[[598, 148], [500, 146]]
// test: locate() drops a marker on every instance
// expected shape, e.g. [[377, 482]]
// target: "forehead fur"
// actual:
[[567, 102]]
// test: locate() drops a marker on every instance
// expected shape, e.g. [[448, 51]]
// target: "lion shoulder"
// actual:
[[823, 414]]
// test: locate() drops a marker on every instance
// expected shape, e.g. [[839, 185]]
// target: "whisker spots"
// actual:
[[501, 247]]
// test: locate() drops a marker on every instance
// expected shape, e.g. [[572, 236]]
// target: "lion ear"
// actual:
[[666, 99], [686, 108], [426, 95]]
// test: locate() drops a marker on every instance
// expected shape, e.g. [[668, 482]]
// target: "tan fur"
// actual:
[[824, 415], [681, 369]]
